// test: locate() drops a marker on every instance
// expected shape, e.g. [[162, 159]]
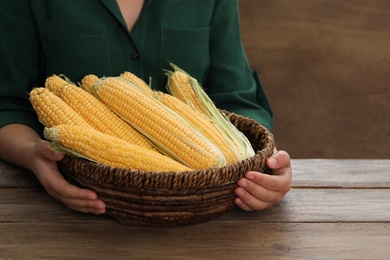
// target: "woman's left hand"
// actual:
[[258, 191]]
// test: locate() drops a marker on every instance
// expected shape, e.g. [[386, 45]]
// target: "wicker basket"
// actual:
[[170, 198]]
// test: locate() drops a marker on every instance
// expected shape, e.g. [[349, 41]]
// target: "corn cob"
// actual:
[[97, 114], [127, 75], [201, 101], [179, 85], [109, 150], [54, 83], [170, 133], [88, 81], [52, 110], [200, 122]]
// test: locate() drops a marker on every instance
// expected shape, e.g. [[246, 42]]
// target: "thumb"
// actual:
[[278, 160], [49, 153]]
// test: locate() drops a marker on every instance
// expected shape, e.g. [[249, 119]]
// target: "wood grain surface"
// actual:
[[337, 209]]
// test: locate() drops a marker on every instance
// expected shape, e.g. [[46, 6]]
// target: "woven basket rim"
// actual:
[[101, 174]]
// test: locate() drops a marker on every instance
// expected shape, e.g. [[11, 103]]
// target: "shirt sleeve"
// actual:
[[18, 65], [231, 83]]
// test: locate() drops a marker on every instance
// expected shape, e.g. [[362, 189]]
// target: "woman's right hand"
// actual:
[[45, 168], [22, 146]]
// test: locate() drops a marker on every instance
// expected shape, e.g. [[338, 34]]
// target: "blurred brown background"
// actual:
[[325, 66]]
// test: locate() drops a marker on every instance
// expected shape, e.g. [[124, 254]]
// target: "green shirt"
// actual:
[[76, 38]]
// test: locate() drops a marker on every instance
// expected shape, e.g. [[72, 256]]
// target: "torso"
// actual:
[[131, 10]]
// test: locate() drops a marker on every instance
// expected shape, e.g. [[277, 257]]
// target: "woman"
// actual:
[[76, 38]]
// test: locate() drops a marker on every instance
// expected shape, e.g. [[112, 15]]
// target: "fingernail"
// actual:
[[91, 196], [240, 194], [56, 154], [100, 211], [272, 161], [250, 176]]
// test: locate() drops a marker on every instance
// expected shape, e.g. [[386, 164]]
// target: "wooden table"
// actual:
[[337, 209]]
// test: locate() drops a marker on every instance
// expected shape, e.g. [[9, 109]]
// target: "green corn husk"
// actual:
[[238, 141]]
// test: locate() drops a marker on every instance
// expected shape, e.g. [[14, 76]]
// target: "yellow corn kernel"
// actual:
[[170, 133], [137, 81], [88, 81], [98, 115], [179, 85], [110, 150], [200, 122], [52, 110], [54, 83]]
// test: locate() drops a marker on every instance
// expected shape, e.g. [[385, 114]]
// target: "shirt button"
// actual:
[[135, 56]]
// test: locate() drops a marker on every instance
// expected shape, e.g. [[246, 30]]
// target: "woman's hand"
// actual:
[[22, 146], [258, 191], [45, 168]]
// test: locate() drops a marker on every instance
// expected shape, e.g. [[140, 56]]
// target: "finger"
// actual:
[[69, 191], [80, 199], [259, 192], [87, 206], [73, 197], [248, 202], [242, 205], [280, 159], [270, 182], [277, 183], [46, 152], [281, 177]]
